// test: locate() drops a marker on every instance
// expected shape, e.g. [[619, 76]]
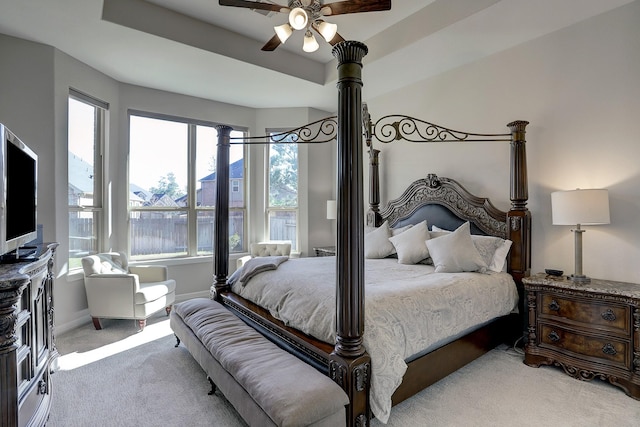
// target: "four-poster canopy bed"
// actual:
[[440, 201]]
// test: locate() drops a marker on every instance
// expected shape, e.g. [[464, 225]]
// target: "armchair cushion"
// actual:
[[152, 291]]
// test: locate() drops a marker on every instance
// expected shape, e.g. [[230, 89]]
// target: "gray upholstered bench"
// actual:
[[266, 385]]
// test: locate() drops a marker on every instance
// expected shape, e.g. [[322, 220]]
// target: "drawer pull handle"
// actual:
[[609, 315], [609, 349], [554, 306], [553, 336]]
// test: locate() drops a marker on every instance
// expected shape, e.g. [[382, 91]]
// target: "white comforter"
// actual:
[[409, 309]]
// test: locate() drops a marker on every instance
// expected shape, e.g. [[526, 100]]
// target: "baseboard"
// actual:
[[84, 318], [191, 295]]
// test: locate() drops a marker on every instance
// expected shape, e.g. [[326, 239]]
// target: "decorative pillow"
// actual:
[[410, 244], [456, 252], [397, 230], [377, 244], [493, 250]]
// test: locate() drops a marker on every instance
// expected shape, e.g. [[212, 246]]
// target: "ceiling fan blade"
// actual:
[[272, 44], [254, 5], [336, 39], [357, 6]]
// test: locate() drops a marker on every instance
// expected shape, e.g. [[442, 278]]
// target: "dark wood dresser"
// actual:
[[591, 330], [27, 348]]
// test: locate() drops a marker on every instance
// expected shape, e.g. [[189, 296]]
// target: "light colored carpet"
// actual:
[[121, 377]]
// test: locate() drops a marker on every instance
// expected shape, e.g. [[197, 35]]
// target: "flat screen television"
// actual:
[[18, 198]]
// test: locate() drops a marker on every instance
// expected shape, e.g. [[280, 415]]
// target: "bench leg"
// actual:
[[177, 341], [96, 323], [213, 387]]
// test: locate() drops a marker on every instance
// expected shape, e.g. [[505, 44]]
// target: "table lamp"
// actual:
[[580, 207]]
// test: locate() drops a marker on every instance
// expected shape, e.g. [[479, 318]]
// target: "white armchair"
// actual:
[[271, 248], [119, 291]]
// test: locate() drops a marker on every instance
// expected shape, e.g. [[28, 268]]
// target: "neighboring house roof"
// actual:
[[133, 197], [162, 200], [236, 171], [140, 192], [80, 175]]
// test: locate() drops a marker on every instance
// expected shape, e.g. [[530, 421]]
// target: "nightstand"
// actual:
[[325, 251], [591, 330]]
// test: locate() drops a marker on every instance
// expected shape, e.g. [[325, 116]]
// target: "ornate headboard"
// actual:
[[445, 203]]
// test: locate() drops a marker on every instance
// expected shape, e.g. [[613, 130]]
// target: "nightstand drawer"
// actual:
[[610, 316], [610, 351]]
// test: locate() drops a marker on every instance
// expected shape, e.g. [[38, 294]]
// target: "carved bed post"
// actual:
[[221, 218], [349, 364], [374, 219], [519, 217]]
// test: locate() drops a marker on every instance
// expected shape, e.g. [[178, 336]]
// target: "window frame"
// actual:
[[192, 210], [96, 209]]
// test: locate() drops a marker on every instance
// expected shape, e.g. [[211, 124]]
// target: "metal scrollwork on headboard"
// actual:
[[317, 132], [396, 127]]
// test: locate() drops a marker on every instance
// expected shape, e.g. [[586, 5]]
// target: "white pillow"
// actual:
[[410, 244], [493, 250], [377, 244], [397, 230], [456, 252]]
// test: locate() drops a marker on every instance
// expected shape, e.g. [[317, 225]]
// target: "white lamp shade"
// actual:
[[327, 30], [298, 18], [310, 43], [584, 207], [332, 209], [283, 31]]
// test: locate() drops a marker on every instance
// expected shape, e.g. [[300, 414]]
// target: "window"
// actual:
[[172, 182], [282, 179], [84, 176]]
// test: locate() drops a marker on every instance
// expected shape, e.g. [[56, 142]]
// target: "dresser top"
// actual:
[[625, 289]]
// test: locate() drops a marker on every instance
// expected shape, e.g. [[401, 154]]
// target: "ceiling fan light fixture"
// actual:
[[283, 31], [310, 43], [298, 18], [327, 29]]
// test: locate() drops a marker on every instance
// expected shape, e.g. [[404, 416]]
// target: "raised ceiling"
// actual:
[[199, 48]]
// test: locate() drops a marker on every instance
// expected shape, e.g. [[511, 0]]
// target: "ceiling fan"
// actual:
[[309, 14]]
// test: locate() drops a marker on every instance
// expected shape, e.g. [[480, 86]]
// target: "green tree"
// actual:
[[283, 175], [168, 185]]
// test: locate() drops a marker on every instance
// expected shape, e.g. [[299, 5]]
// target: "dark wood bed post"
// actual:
[[374, 219], [350, 365], [221, 217], [519, 217]]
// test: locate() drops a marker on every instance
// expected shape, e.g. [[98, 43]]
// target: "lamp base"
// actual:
[[578, 278]]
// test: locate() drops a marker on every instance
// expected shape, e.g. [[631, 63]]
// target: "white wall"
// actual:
[[579, 89]]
